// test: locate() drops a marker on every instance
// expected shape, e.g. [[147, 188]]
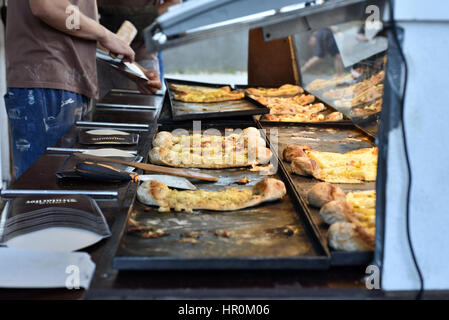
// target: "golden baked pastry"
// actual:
[[205, 94], [210, 152], [351, 167], [324, 192], [347, 236], [156, 193], [285, 90], [351, 217]]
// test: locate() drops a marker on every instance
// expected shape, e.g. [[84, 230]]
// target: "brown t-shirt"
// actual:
[[39, 56]]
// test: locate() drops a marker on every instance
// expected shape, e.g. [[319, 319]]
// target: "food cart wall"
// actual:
[[4, 142], [425, 44]]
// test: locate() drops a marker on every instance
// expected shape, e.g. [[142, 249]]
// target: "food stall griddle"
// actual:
[[269, 236]]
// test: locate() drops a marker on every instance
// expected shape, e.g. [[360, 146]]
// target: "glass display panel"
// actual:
[[344, 65]]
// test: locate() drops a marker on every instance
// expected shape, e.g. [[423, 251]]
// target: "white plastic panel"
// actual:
[[429, 10], [427, 121]]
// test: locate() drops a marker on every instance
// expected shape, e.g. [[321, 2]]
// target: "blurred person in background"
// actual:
[[324, 44]]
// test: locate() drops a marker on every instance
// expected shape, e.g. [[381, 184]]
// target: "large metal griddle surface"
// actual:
[[337, 139], [269, 236], [255, 232]]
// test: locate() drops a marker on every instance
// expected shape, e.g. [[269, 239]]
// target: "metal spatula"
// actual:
[[171, 181], [152, 168], [103, 172]]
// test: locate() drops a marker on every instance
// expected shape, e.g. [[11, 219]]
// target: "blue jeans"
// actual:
[[37, 119]]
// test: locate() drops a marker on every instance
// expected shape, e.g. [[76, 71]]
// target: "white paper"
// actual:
[[55, 239], [136, 70], [109, 152], [107, 132], [44, 269]]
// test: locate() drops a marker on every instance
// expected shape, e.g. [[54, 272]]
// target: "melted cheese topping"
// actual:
[[364, 204], [366, 199], [352, 167], [212, 96], [296, 118], [286, 89], [205, 94], [293, 109], [198, 199]]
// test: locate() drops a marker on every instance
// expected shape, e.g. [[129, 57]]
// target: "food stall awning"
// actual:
[[203, 19]]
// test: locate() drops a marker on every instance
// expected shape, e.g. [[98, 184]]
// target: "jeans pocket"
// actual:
[[15, 105]]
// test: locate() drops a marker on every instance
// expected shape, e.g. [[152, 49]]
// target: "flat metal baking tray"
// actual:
[[165, 119], [337, 139], [196, 111], [269, 236], [130, 101]]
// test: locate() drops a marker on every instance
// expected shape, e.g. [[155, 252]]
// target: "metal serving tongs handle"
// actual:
[[151, 167]]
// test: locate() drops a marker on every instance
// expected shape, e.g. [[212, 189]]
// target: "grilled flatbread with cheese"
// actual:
[[299, 108], [210, 152], [156, 193], [351, 167], [301, 100], [205, 94], [304, 117], [285, 90]]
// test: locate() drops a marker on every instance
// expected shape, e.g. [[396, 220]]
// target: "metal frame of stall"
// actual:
[[207, 18]]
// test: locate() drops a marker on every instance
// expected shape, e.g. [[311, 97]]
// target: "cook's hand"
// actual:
[[150, 86], [117, 46]]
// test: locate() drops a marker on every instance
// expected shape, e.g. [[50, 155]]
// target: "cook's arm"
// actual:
[[53, 13]]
